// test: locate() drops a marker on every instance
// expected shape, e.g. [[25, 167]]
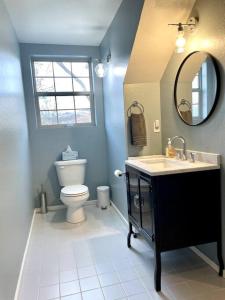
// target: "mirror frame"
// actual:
[[217, 94]]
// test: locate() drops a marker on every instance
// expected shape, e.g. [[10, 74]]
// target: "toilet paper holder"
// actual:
[[119, 173]]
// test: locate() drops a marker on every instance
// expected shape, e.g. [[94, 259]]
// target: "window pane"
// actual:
[[195, 110], [82, 102], [195, 97], [65, 102], [66, 117], [195, 82], [62, 69], [80, 69], [47, 103], [63, 85], [48, 117], [45, 84], [61, 80], [43, 68], [83, 116], [81, 84]]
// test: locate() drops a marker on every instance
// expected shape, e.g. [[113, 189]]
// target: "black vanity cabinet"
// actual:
[[140, 202], [174, 211]]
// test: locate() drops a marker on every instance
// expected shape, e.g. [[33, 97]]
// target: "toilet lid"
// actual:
[[74, 190]]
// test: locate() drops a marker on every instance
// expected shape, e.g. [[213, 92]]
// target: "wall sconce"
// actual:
[[101, 68], [180, 40]]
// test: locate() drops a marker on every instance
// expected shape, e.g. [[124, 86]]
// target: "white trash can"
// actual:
[[103, 197]]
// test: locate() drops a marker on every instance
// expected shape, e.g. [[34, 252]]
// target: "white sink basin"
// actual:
[[161, 165], [163, 162]]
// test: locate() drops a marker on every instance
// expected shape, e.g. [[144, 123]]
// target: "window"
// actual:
[[63, 92], [196, 95]]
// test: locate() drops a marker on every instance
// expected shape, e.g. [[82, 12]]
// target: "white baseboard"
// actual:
[[119, 214], [90, 202], [62, 206], [52, 208], [24, 258], [93, 202], [38, 210], [206, 259]]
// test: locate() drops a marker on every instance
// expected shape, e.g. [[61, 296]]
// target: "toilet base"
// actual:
[[75, 215]]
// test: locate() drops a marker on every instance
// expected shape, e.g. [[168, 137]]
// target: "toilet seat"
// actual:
[[74, 190]]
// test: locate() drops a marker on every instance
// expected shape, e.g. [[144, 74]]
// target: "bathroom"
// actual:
[[37, 260]]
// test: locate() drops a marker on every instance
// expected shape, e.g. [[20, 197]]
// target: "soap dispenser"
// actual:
[[170, 151]]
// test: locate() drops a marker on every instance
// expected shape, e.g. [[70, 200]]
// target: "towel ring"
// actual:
[[185, 102], [135, 104]]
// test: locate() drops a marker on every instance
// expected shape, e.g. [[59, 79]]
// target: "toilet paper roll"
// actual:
[[118, 173]]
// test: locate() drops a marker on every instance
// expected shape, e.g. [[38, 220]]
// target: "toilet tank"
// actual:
[[71, 172]]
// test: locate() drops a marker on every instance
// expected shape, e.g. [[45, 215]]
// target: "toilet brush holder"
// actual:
[[44, 208]]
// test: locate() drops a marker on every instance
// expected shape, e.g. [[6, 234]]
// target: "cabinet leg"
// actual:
[[157, 274], [129, 235], [220, 258]]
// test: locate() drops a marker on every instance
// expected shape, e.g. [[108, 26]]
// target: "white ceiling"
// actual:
[[66, 22]]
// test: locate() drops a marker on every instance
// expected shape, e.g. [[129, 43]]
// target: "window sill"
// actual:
[[66, 126]]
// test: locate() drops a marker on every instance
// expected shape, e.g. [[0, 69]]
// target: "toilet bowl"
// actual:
[[74, 193], [74, 197]]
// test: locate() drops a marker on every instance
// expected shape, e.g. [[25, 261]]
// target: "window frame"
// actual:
[[199, 91], [70, 59]]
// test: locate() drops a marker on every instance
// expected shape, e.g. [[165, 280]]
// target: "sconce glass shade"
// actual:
[[100, 70], [180, 42], [179, 50]]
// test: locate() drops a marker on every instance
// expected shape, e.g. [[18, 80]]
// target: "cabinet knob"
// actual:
[[136, 197], [136, 201]]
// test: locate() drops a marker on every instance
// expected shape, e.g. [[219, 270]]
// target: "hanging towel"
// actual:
[[138, 130], [187, 116]]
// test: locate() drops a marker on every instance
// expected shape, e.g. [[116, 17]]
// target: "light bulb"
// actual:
[[180, 41], [100, 70], [179, 50]]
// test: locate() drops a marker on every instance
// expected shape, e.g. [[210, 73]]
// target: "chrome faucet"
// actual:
[[184, 154]]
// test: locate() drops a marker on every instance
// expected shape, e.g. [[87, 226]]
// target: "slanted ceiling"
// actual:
[[155, 40]]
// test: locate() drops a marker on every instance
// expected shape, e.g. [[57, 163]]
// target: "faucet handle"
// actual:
[[192, 157], [178, 155], [184, 156]]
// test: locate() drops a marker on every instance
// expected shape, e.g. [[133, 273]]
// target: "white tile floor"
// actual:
[[91, 261]]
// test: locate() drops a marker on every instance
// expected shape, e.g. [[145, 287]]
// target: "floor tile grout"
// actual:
[[100, 244]]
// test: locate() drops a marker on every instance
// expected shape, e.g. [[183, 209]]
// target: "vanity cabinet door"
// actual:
[[133, 197], [146, 205]]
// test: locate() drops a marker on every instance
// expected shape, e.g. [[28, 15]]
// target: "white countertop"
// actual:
[[156, 165]]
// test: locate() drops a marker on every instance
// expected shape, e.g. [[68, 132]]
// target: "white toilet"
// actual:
[[71, 175]]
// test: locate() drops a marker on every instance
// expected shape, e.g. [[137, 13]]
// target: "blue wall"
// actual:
[[16, 206], [210, 136], [48, 143], [119, 39]]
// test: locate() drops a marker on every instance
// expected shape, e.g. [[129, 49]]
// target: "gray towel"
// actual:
[[187, 116], [138, 130]]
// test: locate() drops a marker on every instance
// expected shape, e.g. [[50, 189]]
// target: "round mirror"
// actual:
[[196, 88]]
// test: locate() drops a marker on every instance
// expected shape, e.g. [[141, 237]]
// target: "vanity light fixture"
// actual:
[[180, 40], [102, 68]]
